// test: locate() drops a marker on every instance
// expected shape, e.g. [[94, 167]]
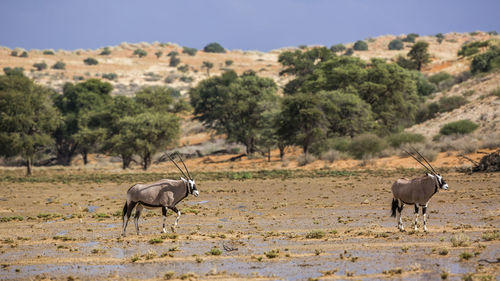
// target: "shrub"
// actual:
[[491, 235], [183, 68], [186, 79], [360, 45], [458, 127], [105, 52], [229, 62], [158, 54], [59, 65], [396, 140], [406, 63], [90, 61], [214, 252], [24, 54], [450, 103], [366, 145], [349, 52], [305, 159], [16, 71], [337, 48], [110, 76], [189, 51], [438, 77], [424, 86], [471, 48], [315, 234], [410, 38], [396, 44], [13, 53], [174, 61], [486, 61], [172, 53], [440, 37], [333, 155], [214, 48], [427, 112], [40, 66], [48, 52], [140, 53]]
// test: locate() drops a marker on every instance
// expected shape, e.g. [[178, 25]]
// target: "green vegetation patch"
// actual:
[[461, 127]]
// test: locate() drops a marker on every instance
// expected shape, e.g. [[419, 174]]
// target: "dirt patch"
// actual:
[[328, 228]]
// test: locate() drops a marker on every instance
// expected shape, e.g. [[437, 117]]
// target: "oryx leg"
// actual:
[[398, 215], [424, 211], [138, 211], [177, 218], [164, 214], [416, 217], [127, 211]]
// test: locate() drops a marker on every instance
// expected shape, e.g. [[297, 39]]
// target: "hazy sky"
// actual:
[[235, 24]]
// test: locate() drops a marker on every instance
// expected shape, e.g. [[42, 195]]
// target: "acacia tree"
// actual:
[[234, 105], [419, 54], [27, 118], [78, 103], [303, 121]]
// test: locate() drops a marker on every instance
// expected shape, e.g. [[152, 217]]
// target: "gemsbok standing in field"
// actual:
[[162, 194], [416, 192]]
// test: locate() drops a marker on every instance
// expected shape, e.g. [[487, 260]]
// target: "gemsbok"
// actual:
[[162, 194], [416, 192]]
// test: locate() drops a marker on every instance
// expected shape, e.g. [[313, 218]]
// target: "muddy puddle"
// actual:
[[267, 230]]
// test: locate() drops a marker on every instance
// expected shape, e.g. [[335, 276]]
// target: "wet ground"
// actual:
[[325, 228]]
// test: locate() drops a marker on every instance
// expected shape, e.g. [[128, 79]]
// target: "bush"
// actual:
[[110, 76], [183, 68], [174, 61], [140, 53], [90, 61], [158, 54], [40, 66], [440, 37], [186, 79], [427, 112], [396, 44], [366, 145], [458, 127], [337, 48], [189, 51], [410, 38], [406, 63], [349, 52], [396, 140], [447, 104], [13, 53], [438, 77], [333, 155], [48, 52], [16, 71], [59, 65], [172, 53], [471, 48], [214, 48], [360, 45], [105, 52], [229, 62], [486, 62], [24, 55], [305, 159]]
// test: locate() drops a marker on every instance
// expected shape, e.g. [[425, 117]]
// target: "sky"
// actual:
[[235, 24]]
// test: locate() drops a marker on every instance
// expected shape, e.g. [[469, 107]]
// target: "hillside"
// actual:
[[133, 72]]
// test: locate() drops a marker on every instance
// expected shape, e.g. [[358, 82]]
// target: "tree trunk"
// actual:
[[146, 162], [126, 161], [85, 157], [268, 154], [282, 151], [29, 164]]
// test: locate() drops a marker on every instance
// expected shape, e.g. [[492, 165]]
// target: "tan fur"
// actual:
[[160, 193]]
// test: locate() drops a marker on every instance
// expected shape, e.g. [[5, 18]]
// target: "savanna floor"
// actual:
[[335, 227]]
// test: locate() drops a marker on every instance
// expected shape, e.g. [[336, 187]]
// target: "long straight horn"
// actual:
[[424, 159], [178, 154], [177, 165], [418, 161]]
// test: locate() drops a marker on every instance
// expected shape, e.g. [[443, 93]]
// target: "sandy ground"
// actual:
[[324, 228]]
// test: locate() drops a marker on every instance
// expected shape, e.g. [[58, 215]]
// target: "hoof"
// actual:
[[163, 231]]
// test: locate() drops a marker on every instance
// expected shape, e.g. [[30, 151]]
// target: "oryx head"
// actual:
[[431, 172], [190, 181]]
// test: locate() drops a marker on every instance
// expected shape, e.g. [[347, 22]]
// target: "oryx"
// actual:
[[162, 194], [416, 192]]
